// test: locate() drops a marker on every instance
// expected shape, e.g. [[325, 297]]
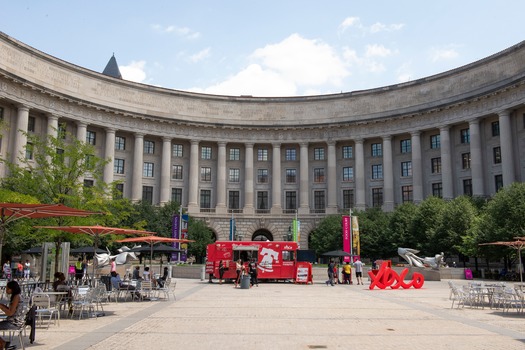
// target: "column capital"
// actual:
[[473, 121], [194, 142], [111, 130], [415, 133], [81, 124], [304, 144], [330, 143], [276, 144], [387, 137], [359, 140], [139, 135], [444, 128], [21, 107], [504, 113], [166, 138], [222, 143], [248, 144]]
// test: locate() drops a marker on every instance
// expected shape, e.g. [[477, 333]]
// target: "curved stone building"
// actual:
[[267, 160]]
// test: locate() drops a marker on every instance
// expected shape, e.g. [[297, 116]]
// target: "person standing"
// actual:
[[253, 273], [221, 271], [27, 270], [238, 270], [79, 270], [330, 280], [347, 273], [358, 265]]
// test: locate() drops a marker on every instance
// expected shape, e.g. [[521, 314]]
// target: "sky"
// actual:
[[267, 48]]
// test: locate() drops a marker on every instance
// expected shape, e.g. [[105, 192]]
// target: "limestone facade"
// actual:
[[267, 160]]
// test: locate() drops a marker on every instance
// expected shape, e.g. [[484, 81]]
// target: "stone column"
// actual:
[[165, 171], [417, 167], [109, 155], [388, 175], [360, 203], [81, 136], [52, 125], [193, 204], [221, 180], [138, 160], [476, 162], [248, 181], [331, 207], [446, 163], [304, 188], [507, 153], [20, 137], [276, 179]]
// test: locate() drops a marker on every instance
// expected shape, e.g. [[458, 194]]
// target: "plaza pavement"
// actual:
[[288, 316]]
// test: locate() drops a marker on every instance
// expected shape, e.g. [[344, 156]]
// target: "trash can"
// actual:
[[245, 282]]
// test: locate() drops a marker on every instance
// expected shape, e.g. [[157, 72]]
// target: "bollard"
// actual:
[[203, 273], [170, 271]]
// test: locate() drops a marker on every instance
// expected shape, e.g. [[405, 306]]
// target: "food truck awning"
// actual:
[[245, 247]]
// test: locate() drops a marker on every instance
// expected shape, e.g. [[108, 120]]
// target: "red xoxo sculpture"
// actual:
[[386, 277]]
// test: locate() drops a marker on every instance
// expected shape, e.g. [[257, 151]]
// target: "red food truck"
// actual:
[[276, 260]]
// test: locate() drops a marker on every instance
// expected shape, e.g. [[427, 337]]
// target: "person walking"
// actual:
[[358, 265], [221, 271], [330, 271]]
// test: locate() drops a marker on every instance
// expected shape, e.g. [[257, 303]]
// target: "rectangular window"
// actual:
[[89, 183], [149, 147], [406, 193], [348, 173], [406, 146], [205, 152], [406, 168], [147, 194], [31, 124], [91, 137], [29, 150], [291, 200], [377, 171], [205, 173], [498, 181], [176, 195], [377, 197], [177, 151], [234, 200], [119, 191], [437, 189], [495, 128], [467, 187], [262, 200], [147, 170], [436, 165], [465, 160], [235, 154], [118, 166], [291, 176], [497, 155], [262, 176], [176, 172], [348, 199], [319, 203], [348, 152], [205, 199], [120, 143], [235, 175], [435, 141], [377, 150], [319, 175], [262, 155], [465, 135], [291, 154], [318, 153]]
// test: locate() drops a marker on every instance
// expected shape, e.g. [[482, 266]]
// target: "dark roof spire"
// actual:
[[112, 68]]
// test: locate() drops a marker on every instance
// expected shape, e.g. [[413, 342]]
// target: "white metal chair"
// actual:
[[146, 290], [83, 302], [44, 308]]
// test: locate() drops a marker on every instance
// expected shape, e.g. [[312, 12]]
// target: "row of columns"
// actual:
[[304, 184]]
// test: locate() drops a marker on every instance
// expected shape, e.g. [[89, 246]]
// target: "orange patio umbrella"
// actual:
[[13, 211], [518, 244]]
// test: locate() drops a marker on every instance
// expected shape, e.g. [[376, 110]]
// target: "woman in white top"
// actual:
[[146, 275]]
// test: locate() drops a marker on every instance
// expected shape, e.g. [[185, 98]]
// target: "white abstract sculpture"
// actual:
[[410, 256], [122, 258]]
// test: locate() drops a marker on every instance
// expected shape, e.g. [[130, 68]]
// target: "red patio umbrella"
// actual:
[[97, 231], [13, 211]]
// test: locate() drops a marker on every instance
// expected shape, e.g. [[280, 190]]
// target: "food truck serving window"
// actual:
[[288, 255], [245, 252]]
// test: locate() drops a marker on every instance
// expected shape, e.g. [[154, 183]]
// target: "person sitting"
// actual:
[[14, 312], [162, 279], [146, 274], [117, 284], [136, 274]]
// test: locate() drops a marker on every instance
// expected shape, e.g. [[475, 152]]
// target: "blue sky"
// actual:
[[268, 48]]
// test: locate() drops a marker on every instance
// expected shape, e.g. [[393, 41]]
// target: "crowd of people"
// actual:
[[346, 272]]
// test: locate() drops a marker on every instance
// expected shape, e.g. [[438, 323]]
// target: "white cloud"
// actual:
[[377, 51], [134, 71], [443, 54], [201, 55], [350, 22], [293, 66], [381, 27], [183, 32]]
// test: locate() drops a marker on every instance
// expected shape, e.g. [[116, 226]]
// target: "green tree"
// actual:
[[327, 235], [400, 226], [457, 218], [374, 236], [202, 235], [424, 227]]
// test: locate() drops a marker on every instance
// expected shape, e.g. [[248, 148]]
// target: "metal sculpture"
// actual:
[[413, 260]]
